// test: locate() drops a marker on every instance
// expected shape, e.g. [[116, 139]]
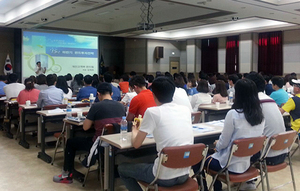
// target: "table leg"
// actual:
[[106, 167], [111, 168], [8, 127], [203, 117], [23, 142], [42, 155]]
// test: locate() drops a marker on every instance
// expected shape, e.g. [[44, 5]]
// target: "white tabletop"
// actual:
[[32, 106], [223, 106], [62, 112], [114, 139]]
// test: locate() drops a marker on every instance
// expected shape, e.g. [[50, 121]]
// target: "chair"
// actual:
[[61, 106], [240, 148], [82, 105], [180, 157], [62, 135], [196, 117], [297, 141], [278, 142], [107, 129]]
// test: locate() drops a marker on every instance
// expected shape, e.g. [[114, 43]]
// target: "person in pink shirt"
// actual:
[[29, 93], [220, 92]]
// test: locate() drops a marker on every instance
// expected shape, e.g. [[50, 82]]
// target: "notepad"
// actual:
[[149, 136], [77, 119], [57, 110], [203, 128]]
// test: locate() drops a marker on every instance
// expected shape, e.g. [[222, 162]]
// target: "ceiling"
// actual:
[[173, 19]]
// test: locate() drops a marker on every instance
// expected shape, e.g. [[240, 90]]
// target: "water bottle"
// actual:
[[69, 110], [123, 129], [231, 98], [92, 99]]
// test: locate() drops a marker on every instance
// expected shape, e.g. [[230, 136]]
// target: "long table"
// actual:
[[47, 116], [209, 109], [116, 146]]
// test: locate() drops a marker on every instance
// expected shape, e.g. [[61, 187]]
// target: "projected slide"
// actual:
[[59, 53]]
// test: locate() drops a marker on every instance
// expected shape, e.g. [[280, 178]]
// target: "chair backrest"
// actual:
[[248, 146], [82, 105], [196, 116], [283, 140], [108, 129], [183, 156], [61, 106], [13, 99]]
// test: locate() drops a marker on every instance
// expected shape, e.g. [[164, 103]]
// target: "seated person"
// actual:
[[192, 87], [142, 101], [41, 82], [13, 88], [52, 95], [244, 120], [29, 93], [203, 97], [292, 106], [160, 121], [87, 89], [279, 95], [232, 79], [63, 85], [77, 83], [2, 84], [104, 112], [220, 92], [124, 84], [116, 91]]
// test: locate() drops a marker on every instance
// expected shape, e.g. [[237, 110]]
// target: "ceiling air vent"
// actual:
[[86, 3]]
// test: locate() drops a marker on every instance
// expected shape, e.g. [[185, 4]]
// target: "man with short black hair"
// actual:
[[104, 112], [39, 70], [52, 95], [84, 93], [13, 88], [142, 101], [279, 95], [170, 124], [116, 91], [232, 79]]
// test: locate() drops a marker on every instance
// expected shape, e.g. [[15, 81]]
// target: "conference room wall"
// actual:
[[291, 51], [135, 55], [7, 47], [171, 49]]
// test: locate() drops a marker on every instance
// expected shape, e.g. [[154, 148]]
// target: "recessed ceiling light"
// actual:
[[271, 13], [243, 7]]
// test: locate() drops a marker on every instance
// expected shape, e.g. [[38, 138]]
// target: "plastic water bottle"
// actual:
[[92, 99], [231, 98], [123, 129], [69, 110]]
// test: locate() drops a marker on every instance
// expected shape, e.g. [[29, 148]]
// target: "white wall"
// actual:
[[163, 64], [222, 55], [245, 52], [291, 51], [191, 55]]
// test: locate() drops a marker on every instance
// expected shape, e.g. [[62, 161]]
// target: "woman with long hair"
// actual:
[[203, 97], [29, 93], [244, 120], [77, 83], [220, 92], [62, 84]]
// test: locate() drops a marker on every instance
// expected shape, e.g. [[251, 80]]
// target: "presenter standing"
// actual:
[[39, 70]]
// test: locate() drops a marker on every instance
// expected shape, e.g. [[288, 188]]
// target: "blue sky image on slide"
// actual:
[[59, 40]]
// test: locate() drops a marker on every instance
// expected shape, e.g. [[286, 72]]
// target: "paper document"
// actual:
[[57, 110], [202, 128], [149, 136], [219, 123]]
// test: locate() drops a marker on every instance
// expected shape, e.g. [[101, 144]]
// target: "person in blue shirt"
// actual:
[[116, 91], [2, 84], [84, 93], [279, 95]]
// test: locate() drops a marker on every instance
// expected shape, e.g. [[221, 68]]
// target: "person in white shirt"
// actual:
[[62, 84], [170, 125], [232, 79], [244, 120], [38, 69], [13, 88], [203, 97]]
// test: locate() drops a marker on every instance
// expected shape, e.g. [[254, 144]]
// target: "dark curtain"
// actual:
[[270, 53], [209, 55], [232, 55]]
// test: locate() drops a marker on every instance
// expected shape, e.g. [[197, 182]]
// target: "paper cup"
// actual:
[[28, 103], [79, 114], [217, 104]]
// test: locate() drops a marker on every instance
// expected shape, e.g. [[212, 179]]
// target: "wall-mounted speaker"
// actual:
[[159, 52]]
